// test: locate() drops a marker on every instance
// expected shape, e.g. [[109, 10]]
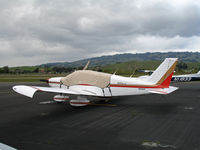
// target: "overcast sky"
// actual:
[[38, 31]]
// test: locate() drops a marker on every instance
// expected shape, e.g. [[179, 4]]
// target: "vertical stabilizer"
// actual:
[[163, 74]]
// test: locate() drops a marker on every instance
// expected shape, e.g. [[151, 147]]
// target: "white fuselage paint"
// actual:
[[108, 91]]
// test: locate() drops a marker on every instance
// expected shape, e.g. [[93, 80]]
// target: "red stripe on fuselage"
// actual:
[[165, 84], [54, 82], [132, 86]]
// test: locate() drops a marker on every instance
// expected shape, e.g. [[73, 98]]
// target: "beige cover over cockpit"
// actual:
[[89, 77]]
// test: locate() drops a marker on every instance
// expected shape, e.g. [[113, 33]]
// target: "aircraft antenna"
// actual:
[[115, 72], [86, 66], [132, 74]]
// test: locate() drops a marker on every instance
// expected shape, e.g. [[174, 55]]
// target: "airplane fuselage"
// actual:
[[186, 78], [119, 86]]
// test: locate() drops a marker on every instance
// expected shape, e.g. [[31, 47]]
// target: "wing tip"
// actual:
[[24, 90]]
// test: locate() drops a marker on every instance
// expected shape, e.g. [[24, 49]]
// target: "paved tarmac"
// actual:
[[155, 122]]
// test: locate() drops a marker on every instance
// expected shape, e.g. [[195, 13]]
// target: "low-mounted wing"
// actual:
[[30, 90]]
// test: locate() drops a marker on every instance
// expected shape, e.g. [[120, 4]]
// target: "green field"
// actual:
[[124, 69], [128, 68]]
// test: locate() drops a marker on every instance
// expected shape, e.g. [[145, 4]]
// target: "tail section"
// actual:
[[163, 74]]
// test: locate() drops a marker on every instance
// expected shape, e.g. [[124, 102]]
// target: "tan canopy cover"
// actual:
[[94, 78]]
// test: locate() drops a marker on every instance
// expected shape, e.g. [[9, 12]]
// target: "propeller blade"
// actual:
[[44, 80]]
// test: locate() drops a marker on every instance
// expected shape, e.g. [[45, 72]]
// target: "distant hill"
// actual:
[[130, 67], [112, 59]]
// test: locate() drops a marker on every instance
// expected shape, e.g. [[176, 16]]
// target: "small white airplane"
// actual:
[[176, 78], [81, 87], [186, 77]]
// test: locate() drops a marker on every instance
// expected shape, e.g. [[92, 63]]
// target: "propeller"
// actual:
[[44, 80]]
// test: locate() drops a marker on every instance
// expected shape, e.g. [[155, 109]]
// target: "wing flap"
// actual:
[[163, 90]]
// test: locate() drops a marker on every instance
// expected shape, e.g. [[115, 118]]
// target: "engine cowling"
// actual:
[[61, 98]]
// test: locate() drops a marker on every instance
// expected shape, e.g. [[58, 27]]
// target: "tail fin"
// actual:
[[163, 74]]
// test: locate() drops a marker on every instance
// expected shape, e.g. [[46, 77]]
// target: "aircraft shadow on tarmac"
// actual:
[[152, 104]]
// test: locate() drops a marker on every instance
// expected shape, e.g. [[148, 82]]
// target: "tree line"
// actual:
[[6, 70], [57, 69]]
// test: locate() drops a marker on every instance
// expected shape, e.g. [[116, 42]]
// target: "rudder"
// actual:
[[163, 74]]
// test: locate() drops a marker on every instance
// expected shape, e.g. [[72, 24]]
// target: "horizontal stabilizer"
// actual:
[[163, 90]]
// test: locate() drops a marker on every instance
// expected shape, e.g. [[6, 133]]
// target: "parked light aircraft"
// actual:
[[186, 77], [177, 78], [80, 87]]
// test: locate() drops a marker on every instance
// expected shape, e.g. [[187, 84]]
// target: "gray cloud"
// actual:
[[35, 31]]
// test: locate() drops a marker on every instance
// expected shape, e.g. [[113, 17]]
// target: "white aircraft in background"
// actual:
[[186, 77], [177, 78], [80, 87]]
